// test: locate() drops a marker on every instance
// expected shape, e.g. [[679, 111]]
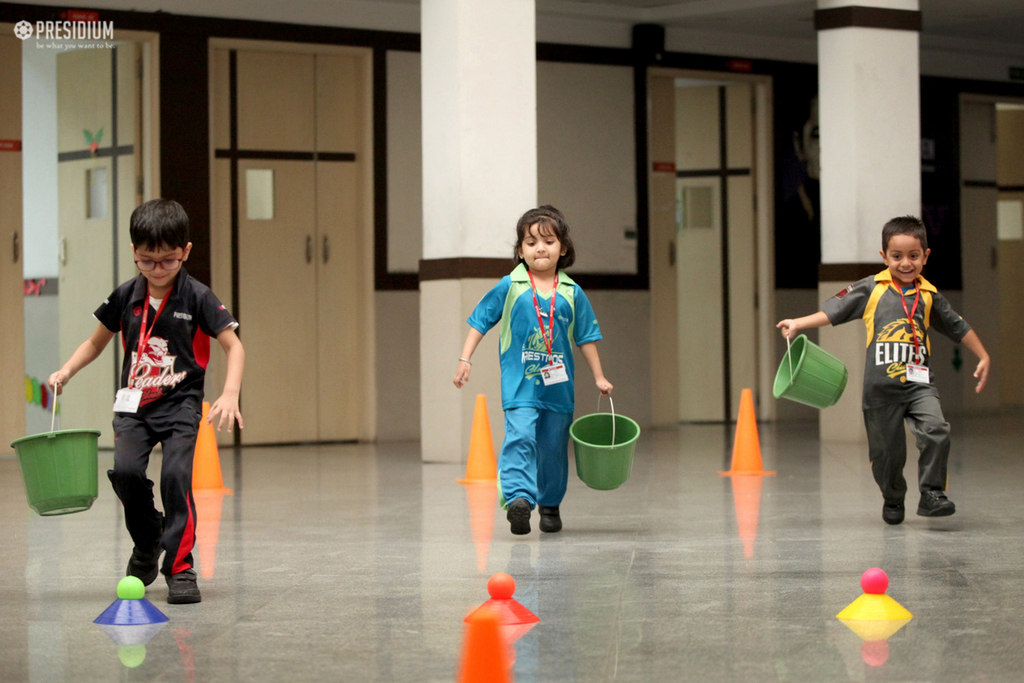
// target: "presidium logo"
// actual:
[[88, 27]]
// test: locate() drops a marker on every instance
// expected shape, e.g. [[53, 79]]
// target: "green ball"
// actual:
[[131, 588]]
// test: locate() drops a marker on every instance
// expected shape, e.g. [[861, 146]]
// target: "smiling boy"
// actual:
[[166, 319], [899, 307]]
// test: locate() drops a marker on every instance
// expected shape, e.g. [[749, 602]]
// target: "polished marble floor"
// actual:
[[358, 563]]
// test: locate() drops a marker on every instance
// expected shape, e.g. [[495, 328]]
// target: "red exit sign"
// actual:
[[10, 145]]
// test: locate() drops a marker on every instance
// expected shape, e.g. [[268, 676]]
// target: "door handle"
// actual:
[[309, 248], [16, 247], [62, 251], [326, 251]]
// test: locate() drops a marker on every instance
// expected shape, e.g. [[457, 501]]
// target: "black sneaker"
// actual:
[[519, 516], [549, 519], [182, 588], [892, 513], [935, 504], [144, 565]]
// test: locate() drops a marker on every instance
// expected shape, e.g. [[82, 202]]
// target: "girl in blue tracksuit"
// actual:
[[541, 311]]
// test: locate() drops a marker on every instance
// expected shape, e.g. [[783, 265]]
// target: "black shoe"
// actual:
[[144, 565], [935, 504], [519, 516], [182, 588], [549, 519], [892, 513]]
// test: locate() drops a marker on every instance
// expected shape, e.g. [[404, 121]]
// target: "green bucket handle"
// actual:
[[612, 404], [53, 417], [790, 357]]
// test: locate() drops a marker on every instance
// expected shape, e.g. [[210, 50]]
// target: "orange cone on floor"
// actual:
[[481, 466], [746, 449], [206, 472], [484, 654]]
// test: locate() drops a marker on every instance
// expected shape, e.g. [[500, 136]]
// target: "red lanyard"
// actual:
[[145, 334], [549, 336], [910, 314]]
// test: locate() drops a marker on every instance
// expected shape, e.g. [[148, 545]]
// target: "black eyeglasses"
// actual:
[[166, 264]]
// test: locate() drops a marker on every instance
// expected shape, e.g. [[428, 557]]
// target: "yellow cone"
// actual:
[[875, 607]]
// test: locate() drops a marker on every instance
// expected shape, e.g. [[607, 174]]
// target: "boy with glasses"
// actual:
[[166, 319]]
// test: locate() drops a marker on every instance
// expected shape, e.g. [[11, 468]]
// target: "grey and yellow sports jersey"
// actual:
[[890, 344]]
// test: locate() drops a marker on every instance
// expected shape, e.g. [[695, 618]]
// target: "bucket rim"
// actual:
[[572, 431], [51, 435]]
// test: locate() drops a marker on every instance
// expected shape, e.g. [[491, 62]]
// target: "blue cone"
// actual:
[[130, 613]]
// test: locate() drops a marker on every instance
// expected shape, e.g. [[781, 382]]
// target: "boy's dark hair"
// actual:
[[551, 221], [904, 225], [159, 222]]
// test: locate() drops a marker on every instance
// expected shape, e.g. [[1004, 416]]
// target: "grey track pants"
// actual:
[[887, 445]]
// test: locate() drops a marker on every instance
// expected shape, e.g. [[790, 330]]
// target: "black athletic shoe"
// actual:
[[935, 504], [892, 513], [144, 565], [549, 519], [182, 588], [519, 516]]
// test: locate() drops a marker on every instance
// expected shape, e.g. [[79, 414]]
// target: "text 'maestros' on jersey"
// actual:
[[173, 363], [890, 343], [521, 346]]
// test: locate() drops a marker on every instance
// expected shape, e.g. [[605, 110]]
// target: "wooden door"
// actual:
[[12, 318], [298, 159], [715, 249]]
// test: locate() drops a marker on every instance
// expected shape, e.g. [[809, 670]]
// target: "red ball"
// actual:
[[874, 581], [501, 586]]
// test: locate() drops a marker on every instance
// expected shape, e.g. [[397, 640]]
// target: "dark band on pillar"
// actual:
[[847, 272], [462, 268], [867, 17]]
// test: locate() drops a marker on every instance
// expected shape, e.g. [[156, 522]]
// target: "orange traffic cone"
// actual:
[[484, 655], [206, 472], [746, 449], [481, 466]]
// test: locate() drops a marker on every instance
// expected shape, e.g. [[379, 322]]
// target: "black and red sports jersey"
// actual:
[[172, 367]]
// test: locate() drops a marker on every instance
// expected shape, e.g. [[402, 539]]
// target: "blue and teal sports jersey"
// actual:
[[521, 347]]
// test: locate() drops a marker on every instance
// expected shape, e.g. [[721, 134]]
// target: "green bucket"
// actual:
[[60, 470], [604, 444], [810, 375]]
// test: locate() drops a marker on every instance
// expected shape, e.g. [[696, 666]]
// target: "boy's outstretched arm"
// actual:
[[227, 405], [973, 342], [791, 326], [589, 351], [89, 351], [462, 371]]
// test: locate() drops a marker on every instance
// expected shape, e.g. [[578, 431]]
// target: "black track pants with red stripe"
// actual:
[[134, 439]]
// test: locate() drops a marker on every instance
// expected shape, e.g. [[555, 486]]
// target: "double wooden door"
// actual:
[[289, 169]]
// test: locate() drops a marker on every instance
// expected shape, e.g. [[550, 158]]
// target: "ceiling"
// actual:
[[970, 22]]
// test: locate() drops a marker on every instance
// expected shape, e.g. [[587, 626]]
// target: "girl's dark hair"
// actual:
[[904, 225], [159, 222], [550, 221]]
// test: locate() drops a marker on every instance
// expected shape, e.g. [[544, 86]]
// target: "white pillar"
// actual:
[[870, 131], [479, 176]]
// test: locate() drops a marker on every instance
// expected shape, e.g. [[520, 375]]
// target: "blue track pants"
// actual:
[[534, 460]]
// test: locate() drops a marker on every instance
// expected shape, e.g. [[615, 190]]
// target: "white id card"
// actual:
[[917, 373], [554, 374], [127, 400]]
